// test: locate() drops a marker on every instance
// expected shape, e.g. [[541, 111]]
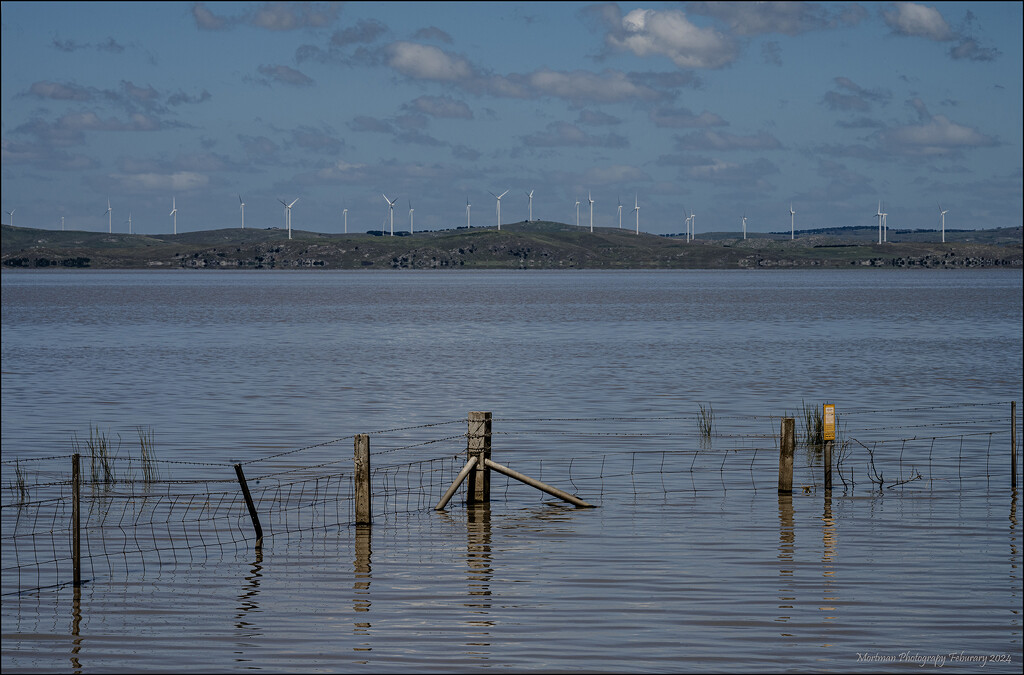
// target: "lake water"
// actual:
[[691, 562]]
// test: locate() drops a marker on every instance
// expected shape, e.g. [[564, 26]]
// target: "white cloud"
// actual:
[[912, 19], [428, 62], [648, 32], [181, 181], [718, 140], [936, 136]]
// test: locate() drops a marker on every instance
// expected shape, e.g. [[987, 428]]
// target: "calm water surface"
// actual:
[[700, 567]]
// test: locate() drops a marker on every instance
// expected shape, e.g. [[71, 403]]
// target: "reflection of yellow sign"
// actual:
[[830, 421]]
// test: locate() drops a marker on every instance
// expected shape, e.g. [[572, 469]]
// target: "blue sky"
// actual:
[[723, 109]]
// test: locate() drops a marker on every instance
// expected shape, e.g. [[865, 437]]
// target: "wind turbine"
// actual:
[[498, 197], [687, 222], [467, 213], [591, 200], [173, 214], [241, 207], [288, 214], [792, 213], [129, 222], [636, 207], [62, 223], [693, 225], [885, 229], [744, 226], [411, 209], [577, 213], [344, 212], [943, 214], [11, 214], [620, 213], [391, 210], [878, 214], [530, 195]]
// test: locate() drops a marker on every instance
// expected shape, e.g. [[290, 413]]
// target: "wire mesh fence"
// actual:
[[138, 514]]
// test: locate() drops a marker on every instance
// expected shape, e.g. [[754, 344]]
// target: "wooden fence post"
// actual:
[[362, 479], [827, 459], [787, 447], [76, 521], [478, 444], [252, 507]]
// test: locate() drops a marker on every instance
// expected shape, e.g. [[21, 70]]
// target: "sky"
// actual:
[[726, 110]]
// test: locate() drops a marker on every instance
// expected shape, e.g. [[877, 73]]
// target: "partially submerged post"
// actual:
[[1013, 445], [362, 479], [787, 448], [479, 464], [829, 436], [252, 507], [76, 521], [478, 445]]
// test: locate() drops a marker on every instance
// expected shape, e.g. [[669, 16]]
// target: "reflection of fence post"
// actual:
[[362, 479], [252, 507], [76, 521], [478, 445], [787, 447], [1013, 444]]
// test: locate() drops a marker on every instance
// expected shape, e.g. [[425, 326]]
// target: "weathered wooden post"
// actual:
[[787, 447], [362, 479], [829, 436], [252, 507], [478, 444], [76, 521], [1013, 444]]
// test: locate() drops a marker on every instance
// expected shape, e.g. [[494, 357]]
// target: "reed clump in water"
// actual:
[[814, 424], [103, 457], [705, 421]]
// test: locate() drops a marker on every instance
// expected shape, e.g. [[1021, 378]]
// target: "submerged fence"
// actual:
[[121, 516]]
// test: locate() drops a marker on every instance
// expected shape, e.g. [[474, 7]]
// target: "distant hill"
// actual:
[[533, 245]]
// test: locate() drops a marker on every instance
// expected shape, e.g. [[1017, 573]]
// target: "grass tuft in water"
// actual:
[[148, 456], [705, 421], [814, 424]]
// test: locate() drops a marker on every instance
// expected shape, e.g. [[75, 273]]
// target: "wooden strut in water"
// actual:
[[543, 487]]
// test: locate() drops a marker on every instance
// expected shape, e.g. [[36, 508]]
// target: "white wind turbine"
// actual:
[[173, 214], [62, 223], [467, 213], [411, 209], [344, 213], [577, 213], [109, 213], [129, 222], [498, 210], [11, 214], [792, 213], [530, 195], [878, 214], [744, 226], [391, 211], [636, 207], [241, 207], [885, 228], [687, 222], [693, 225], [943, 215], [288, 214], [620, 213], [591, 200]]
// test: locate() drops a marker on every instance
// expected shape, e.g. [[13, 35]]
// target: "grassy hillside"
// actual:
[[535, 245]]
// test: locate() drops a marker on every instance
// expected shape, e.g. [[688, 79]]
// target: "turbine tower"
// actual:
[[885, 229], [620, 213], [693, 225], [129, 222], [530, 195], [792, 213], [636, 207], [344, 212], [411, 209], [288, 214], [467, 213], [590, 198], [577, 213], [744, 226], [241, 207], [687, 224], [11, 214], [878, 214], [498, 209], [943, 215], [62, 223], [108, 213], [391, 210], [173, 214]]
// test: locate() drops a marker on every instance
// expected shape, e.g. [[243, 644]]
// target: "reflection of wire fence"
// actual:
[[170, 512]]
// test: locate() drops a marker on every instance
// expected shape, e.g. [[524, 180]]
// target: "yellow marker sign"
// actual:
[[830, 421]]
